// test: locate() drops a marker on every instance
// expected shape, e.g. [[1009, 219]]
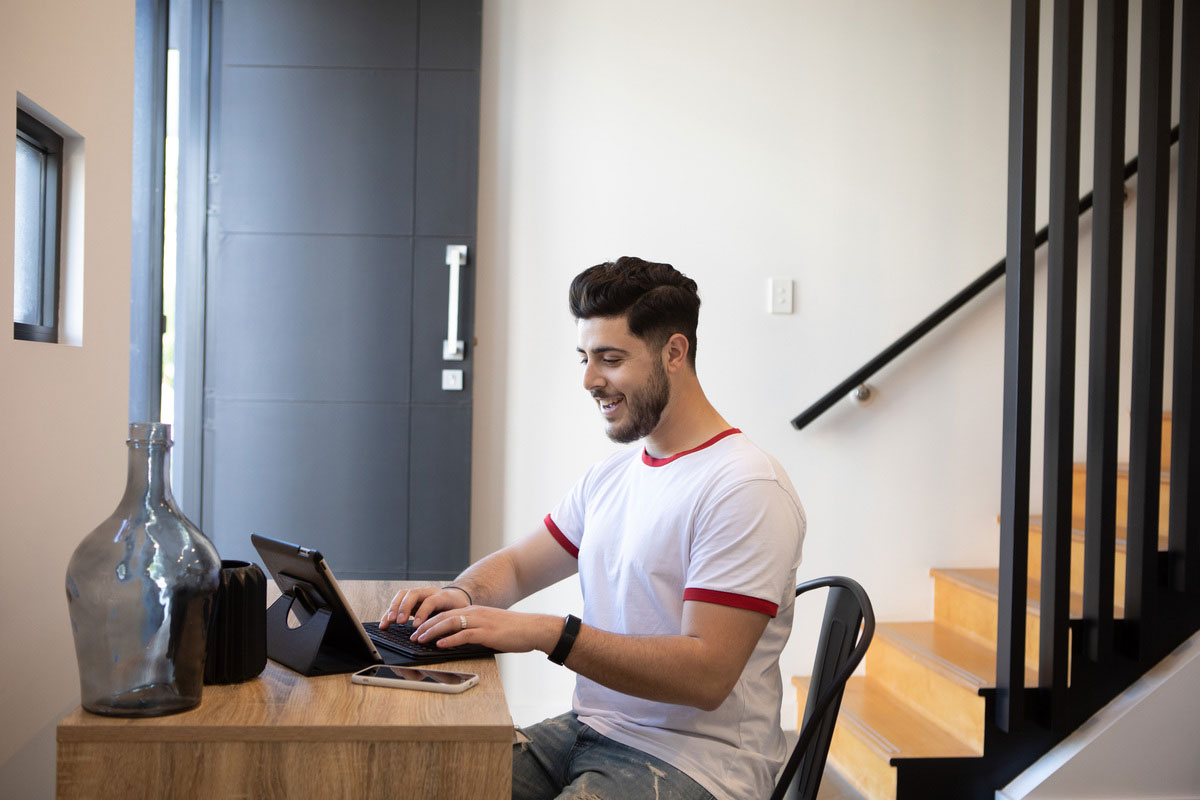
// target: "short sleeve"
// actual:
[[746, 547], [566, 521]]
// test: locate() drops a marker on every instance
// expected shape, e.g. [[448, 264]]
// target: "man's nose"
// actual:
[[591, 378]]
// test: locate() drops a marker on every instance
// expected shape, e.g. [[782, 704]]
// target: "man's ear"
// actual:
[[674, 352]]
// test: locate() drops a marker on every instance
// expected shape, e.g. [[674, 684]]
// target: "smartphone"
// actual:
[[428, 680]]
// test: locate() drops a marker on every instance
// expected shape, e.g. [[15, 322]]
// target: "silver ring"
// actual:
[[462, 621]]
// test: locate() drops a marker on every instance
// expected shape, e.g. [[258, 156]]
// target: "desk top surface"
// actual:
[[284, 705]]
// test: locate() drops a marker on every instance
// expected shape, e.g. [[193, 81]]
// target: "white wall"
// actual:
[[63, 409], [858, 148]]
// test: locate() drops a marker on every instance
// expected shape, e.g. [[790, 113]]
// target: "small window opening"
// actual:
[[38, 224]]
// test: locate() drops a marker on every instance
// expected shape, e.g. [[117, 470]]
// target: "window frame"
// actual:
[[37, 134]]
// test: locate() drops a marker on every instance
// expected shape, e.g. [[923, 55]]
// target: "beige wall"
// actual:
[[63, 409]]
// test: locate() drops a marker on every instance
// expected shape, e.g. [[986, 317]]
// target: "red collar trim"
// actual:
[[651, 461]]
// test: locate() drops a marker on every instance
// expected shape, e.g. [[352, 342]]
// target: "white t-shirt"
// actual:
[[719, 524]]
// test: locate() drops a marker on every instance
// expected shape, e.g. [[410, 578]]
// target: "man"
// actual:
[[687, 552]]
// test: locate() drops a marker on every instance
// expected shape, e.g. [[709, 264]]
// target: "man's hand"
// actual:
[[501, 579], [499, 629], [421, 604]]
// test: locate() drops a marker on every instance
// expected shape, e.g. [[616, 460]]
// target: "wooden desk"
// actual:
[[286, 736]]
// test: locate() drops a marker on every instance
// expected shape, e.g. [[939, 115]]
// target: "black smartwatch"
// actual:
[[567, 640]]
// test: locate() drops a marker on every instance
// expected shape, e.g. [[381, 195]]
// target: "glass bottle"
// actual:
[[140, 589]]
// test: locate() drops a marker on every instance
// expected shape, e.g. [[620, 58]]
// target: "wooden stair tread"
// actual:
[[1164, 476], [887, 726], [986, 581], [1035, 521], [962, 660]]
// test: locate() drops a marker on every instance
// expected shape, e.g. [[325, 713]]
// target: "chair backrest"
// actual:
[[847, 609]]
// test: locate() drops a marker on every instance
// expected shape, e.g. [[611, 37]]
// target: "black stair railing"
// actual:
[[1084, 663], [966, 295], [1161, 602], [1156, 615]]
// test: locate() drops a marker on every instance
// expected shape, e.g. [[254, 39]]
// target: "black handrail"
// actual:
[[860, 376]]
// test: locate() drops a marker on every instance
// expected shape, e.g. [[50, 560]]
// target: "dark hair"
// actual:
[[657, 300]]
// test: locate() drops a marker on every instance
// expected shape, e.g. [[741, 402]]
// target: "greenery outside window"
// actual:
[[38, 223]]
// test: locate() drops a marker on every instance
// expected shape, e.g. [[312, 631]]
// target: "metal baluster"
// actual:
[[1018, 368], [1112, 26], [1184, 537], [1061, 283], [1149, 301]]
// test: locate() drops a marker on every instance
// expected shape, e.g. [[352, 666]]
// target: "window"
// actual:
[[38, 215]]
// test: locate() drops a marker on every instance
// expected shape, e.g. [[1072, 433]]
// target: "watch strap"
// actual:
[[567, 640]]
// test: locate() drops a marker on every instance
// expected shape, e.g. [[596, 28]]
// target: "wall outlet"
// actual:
[[780, 300]]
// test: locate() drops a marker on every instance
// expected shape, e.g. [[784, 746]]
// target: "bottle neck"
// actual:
[[148, 482]]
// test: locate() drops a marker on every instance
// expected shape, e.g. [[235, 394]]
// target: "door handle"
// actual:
[[456, 259]]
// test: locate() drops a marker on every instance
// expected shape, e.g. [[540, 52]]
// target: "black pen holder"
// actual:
[[237, 634]]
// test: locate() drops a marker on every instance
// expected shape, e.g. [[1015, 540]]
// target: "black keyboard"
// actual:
[[396, 638]]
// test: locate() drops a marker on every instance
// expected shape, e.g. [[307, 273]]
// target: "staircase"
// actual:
[[953, 708], [922, 696]]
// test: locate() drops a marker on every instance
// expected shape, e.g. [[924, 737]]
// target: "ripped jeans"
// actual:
[[564, 758]]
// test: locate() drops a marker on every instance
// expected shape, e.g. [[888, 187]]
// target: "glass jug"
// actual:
[[140, 589]]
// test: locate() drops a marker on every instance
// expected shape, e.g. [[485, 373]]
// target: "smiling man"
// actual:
[[686, 549]]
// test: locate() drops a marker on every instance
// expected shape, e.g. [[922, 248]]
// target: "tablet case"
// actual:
[[328, 640]]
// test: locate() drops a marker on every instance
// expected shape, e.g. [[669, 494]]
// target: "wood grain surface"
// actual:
[[284, 735]]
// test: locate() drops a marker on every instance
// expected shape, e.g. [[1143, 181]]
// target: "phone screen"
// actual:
[[419, 675]]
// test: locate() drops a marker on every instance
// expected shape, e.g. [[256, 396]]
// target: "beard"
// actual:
[[644, 409]]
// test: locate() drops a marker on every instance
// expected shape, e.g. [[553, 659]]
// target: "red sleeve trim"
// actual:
[[732, 600], [560, 538]]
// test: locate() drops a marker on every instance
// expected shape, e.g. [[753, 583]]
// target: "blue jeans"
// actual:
[[564, 758]]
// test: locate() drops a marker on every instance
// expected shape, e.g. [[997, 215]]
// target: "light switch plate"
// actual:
[[780, 301]]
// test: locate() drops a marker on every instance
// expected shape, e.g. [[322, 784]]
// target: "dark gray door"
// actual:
[[343, 161]]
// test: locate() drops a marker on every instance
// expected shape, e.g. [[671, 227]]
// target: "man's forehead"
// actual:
[[606, 333]]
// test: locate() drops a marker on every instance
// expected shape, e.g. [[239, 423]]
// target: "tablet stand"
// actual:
[[305, 649]]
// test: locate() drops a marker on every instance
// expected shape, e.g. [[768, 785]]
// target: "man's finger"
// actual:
[[401, 607], [404, 610], [428, 607], [389, 614], [430, 628]]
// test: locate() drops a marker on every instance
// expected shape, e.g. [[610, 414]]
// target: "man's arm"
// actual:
[[499, 580], [697, 668]]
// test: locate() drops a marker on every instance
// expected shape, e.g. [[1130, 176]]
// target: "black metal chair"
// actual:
[[847, 608]]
